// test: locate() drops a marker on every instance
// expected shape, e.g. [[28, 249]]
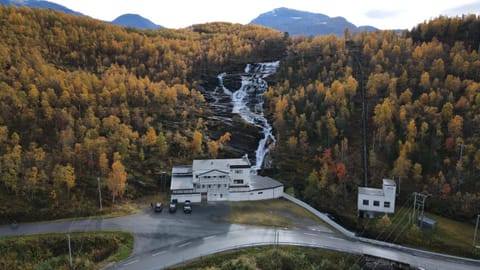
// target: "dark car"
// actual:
[[187, 207], [158, 207], [172, 208]]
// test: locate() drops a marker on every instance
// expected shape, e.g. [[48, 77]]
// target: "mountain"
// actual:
[[297, 22], [129, 20], [39, 4], [134, 20]]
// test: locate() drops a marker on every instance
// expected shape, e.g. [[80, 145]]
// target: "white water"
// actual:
[[253, 88]]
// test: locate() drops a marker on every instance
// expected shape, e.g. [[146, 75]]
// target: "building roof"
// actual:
[[182, 170], [181, 183], [202, 165], [427, 220], [389, 182], [261, 182], [181, 178], [370, 191]]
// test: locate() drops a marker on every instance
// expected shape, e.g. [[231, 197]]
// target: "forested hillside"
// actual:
[[81, 99], [423, 120]]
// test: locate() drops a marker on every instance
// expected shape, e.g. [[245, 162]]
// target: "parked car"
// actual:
[[172, 208], [158, 207], [187, 207]]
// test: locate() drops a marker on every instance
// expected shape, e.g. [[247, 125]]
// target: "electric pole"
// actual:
[[475, 246], [418, 207], [99, 193]]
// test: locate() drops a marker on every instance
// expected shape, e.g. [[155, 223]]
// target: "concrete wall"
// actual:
[[256, 195], [181, 198], [321, 215], [371, 207]]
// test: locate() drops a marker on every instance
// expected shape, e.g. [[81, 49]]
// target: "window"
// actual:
[[238, 181], [203, 186], [386, 204], [238, 171], [376, 203], [208, 186], [260, 192], [219, 185], [365, 202]]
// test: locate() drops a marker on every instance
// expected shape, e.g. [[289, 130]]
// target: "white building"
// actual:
[[221, 180], [373, 201]]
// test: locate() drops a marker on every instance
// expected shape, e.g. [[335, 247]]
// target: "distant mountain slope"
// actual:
[[297, 22], [40, 4], [134, 20], [130, 20]]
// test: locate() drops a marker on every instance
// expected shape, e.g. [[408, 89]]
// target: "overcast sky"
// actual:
[[383, 14]]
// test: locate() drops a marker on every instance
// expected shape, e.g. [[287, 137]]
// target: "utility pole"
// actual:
[[99, 193], [475, 246], [418, 207], [70, 250], [356, 51], [460, 158]]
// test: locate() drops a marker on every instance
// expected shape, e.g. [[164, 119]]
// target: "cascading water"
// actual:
[[248, 102]]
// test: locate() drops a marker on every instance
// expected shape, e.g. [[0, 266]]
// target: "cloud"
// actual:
[[382, 14], [464, 9]]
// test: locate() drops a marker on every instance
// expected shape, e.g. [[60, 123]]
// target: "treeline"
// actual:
[[81, 99], [423, 116]]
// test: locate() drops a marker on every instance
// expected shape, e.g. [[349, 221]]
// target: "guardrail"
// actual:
[[352, 235], [320, 215]]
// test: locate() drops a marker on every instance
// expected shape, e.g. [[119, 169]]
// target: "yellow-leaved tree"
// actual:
[[117, 181]]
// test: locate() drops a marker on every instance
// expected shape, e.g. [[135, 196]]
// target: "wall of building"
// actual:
[[193, 197], [257, 195], [381, 203]]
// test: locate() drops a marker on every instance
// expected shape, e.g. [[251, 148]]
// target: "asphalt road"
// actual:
[[163, 239]]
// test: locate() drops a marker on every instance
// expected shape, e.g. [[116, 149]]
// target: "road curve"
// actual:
[[163, 240], [253, 236]]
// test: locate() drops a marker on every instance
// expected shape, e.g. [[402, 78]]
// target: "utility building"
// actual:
[[375, 201], [221, 180]]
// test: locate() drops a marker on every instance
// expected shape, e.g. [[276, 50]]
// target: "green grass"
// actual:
[[90, 250], [272, 213], [282, 257], [450, 236]]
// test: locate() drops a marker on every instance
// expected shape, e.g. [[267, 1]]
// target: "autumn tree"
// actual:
[[117, 180]]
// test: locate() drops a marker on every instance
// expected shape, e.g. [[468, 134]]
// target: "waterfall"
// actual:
[[247, 101]]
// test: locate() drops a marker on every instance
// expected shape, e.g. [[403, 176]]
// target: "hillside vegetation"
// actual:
[[81, 99]]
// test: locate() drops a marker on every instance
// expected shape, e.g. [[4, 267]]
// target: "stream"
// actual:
[[246, 102]]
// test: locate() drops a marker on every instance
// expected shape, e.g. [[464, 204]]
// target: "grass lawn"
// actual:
[[272, 213], [90, 250], [450, 236], [283, 257]]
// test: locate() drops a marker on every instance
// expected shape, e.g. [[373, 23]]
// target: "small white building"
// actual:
[[374, 201], [221, 180]]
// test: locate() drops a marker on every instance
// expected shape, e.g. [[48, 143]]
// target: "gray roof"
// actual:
[[370, 191], [182, 170], [181, 182], [201, 165], [262, 182], [389, 182]]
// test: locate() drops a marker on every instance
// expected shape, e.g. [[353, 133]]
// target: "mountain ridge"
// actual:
[[125, 20], [297, 22]]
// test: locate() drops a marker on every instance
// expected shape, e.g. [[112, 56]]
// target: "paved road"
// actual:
[[163, 239], [251, 236]]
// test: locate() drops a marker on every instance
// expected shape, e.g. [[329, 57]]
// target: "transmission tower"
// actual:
[[418, 207]]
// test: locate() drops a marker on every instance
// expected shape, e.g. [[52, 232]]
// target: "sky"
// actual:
[[383, 14]]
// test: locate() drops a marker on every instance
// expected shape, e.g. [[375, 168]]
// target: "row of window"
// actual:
[[208, 176], [376, 203], [210, 185]]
